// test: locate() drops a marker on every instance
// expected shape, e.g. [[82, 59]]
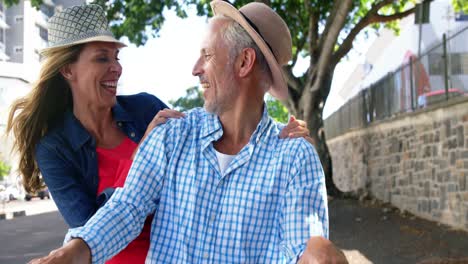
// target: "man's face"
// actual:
[[215, 70]]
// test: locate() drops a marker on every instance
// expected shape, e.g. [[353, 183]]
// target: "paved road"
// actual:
[[27, 237], [374, 234], [367, 233]]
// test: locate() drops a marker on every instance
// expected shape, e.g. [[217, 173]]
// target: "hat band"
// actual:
[[258, 31], [86, 35]]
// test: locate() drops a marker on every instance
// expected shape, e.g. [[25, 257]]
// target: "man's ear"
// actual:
[[67, 72], [246, 62]]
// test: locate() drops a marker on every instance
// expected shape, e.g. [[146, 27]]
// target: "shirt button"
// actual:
[[132, 134], [206, 255], [119, 124], [213, 218], [92, 154]]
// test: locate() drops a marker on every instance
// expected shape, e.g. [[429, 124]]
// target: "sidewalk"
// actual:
[[374, 233], [19, 208]]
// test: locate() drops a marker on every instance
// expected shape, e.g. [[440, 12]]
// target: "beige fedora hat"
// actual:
[[270, 33], [77, 25]]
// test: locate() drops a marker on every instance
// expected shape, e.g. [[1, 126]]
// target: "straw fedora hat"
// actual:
[[271, 34], [77, 25]]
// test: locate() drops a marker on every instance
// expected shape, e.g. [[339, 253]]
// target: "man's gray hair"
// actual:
[[238, 39]]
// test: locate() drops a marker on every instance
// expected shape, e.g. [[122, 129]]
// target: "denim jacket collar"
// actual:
[[78, 135]]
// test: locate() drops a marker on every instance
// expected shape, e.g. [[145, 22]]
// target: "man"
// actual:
[[221, 184]]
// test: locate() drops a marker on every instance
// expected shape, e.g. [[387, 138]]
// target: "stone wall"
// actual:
[[418, 162]]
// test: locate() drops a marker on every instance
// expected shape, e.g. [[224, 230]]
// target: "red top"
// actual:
[[113, 166]]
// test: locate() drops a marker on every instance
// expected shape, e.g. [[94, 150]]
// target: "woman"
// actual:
[[75, 131]]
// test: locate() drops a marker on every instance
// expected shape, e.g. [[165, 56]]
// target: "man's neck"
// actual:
[[238, 126]]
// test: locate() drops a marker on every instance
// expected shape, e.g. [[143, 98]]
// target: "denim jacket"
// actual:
[[67, 157]]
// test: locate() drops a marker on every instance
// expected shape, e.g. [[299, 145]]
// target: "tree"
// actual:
[[322, 31], [193, 98], [277, 110], [4, 169]]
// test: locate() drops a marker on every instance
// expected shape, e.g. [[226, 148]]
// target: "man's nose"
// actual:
[[197, 68]]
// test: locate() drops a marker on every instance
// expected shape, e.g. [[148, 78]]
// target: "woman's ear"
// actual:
[[67, 72]]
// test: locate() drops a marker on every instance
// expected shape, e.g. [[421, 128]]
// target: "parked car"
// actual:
[[42, 194]]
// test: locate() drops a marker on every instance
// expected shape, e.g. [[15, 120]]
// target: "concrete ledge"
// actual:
[[11, 215], [19, 213]]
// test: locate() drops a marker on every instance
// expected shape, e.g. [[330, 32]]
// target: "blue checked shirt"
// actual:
[[263, 209]]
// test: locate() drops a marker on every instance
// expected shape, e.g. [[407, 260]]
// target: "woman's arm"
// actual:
[[73, 197]]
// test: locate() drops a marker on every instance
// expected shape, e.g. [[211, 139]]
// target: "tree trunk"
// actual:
[[309, 107], [317, 132]]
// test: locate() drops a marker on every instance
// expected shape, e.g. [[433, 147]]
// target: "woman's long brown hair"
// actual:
[[33, 115]]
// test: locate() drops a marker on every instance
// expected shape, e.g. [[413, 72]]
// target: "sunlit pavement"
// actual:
[[21, 207], [367, 233]]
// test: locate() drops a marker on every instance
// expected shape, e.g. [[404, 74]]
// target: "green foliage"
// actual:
[[277, 110], [460, 6], [4, 169], [136, 19], [193, 98]]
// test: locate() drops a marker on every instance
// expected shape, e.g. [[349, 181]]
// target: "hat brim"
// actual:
[[279, 88], [86, 40]]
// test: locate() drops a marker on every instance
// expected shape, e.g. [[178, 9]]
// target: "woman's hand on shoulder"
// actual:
[[161, 118], [296, 128]]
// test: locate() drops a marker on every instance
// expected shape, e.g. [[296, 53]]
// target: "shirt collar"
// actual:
[[213, 130], [120, 114], [78, 135]]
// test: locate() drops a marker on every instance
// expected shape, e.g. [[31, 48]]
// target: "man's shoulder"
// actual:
[[193, 121], [291, 146]]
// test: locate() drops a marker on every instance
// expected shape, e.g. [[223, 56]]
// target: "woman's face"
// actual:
[[94, 76]]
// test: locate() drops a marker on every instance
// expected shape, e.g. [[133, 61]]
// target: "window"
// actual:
[[47, 10], [18, 19], [422, 12], [436, 64], [1, 10], [19, 49], [461, 16], [42, 33], [459, 63]]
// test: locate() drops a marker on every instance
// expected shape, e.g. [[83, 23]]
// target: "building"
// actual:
[[389, 53], [23, 33]]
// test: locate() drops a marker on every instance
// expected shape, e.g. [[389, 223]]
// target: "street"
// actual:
[[366, 232], [33, 235]]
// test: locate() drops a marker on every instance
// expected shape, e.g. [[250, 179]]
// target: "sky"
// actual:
[[163, 66]]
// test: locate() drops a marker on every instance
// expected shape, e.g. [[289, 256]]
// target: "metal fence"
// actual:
[[438, 75]]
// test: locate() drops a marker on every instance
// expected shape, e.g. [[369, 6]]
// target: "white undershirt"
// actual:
[[224, 160]]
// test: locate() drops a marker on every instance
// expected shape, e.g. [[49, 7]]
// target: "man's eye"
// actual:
[[102, 59]]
